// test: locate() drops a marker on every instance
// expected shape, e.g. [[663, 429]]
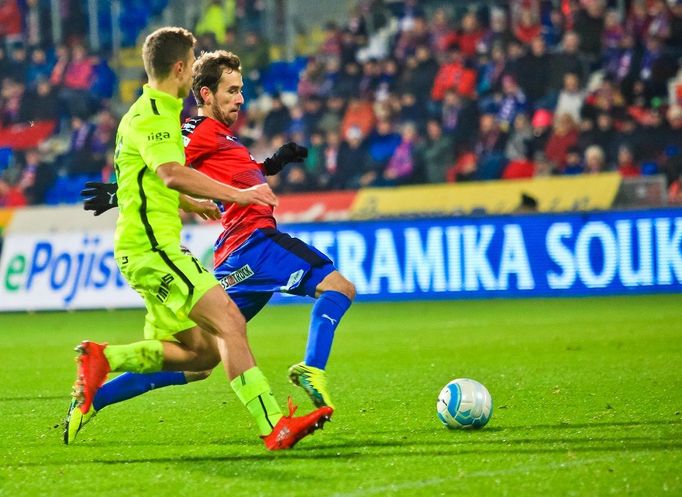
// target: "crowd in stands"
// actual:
[[402, 92]]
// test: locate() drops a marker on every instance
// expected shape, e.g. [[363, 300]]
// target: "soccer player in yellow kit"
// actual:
[[188, 312]]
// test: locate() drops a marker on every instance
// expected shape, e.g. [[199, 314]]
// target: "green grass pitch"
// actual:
[[587, 396]]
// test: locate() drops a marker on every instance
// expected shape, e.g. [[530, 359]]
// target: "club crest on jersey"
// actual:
[[241, 274]]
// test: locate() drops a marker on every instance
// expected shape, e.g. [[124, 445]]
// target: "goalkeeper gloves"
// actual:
[[289, 152], [100, 196]]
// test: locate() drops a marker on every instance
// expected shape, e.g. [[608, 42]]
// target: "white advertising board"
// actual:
[[75, 270]]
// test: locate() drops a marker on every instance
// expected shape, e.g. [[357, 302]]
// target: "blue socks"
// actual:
[[128, 385], [327, 312]]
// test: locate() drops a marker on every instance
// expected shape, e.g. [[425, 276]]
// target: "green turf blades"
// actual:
[[586, 391]]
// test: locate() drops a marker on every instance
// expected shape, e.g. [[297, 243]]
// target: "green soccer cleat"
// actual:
[[313, 381], [75, 420]]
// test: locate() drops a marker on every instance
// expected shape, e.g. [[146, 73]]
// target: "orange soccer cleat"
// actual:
[[93, 368], [290, 429]]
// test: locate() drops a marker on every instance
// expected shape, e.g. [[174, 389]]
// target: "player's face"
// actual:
[[228, 98]]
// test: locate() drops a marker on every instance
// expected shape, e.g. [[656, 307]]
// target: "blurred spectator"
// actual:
[[401, 165], [520, 143], [254, 54], [553, 28], [498, 32], [419, 74], [675, 39], [573, 162], [41, 103], [74, 74], [38, 68], [520, 167], [531, 70], [567, 60], [595, 160], [470, 35], [277, 119], [563, 136], [454, 74], [571, 97], [381, 143], [626, 165], [512, 103], [604, 135], [442, 33], [458, 117], [492, 71], [349, 80], [360, 115], [11, 24], [84, 154], [332, 114], [613, 34], [353, 167], [410, 39], [489, 147], [435, 153], [656, 67], [464, 169], [589, 24], [542, 128], [527, 26], [104, 80], [37, 177], [216, 17], [18, 64]]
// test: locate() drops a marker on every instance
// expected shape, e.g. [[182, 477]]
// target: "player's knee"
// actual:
[[346, 287]]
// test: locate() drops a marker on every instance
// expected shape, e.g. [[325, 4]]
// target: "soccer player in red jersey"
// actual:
[[252, 258]]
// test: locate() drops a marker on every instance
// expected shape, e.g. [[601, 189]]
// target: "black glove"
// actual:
[[100, 196], [289, 152]]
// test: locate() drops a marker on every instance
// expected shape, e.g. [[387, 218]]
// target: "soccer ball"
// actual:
[[464, 403]]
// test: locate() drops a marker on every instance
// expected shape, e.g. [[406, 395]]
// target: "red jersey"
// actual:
[[212, 148]]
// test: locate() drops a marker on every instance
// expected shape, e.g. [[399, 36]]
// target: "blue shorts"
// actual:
[[270, 261]]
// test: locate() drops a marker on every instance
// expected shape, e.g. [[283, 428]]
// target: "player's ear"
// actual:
[[206, 94], [178, 68]]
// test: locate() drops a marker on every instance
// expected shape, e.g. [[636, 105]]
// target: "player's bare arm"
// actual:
[[191, 182]]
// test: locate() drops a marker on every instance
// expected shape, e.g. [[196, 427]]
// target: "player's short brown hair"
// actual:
[[208, 69], [163, 48]]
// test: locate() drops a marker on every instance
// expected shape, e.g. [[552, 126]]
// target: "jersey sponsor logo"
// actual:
[[241, 274], [158, 136]]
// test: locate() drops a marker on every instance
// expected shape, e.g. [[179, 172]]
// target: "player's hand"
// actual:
[[257, 195], [100, 197], [205, 209], [289, 152]]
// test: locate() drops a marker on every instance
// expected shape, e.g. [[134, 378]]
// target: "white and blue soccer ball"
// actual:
[[464, 403]]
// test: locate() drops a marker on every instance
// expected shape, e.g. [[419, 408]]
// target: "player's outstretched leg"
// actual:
[[123, 387], [289, 429]]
